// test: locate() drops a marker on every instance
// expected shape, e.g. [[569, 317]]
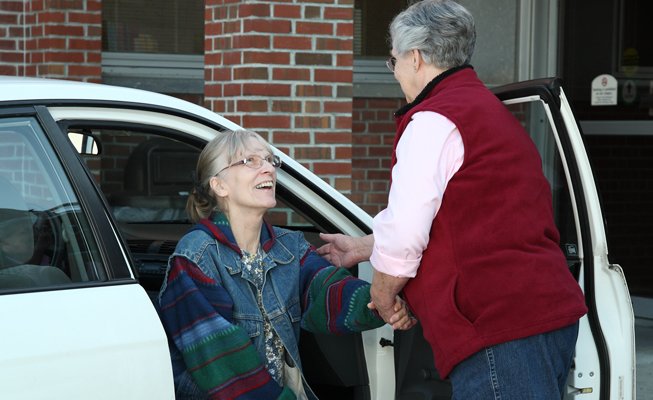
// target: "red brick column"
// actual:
[[51, 38], [373, 134], [284, 69]]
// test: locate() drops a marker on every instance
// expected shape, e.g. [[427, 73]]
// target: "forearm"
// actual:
[[336, 302], [384, 290], [364, 248]]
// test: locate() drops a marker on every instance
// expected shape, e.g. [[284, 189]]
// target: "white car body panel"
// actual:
[[54, 361]]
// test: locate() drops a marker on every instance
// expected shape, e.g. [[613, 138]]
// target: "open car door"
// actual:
[[604, 364]]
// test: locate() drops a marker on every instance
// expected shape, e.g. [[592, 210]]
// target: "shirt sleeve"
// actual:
[[334, 301], [429, 153], [196, 312]]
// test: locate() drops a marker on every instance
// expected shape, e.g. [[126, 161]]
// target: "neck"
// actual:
[[429, 73], [246, 228]]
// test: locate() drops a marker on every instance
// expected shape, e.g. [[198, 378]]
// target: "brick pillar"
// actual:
[[373, 135], [284, 69], [51, 38]]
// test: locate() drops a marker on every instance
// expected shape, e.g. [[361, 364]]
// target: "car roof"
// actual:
[[21, 89]]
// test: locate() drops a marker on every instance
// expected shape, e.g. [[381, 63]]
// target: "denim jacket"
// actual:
[[291, 266]]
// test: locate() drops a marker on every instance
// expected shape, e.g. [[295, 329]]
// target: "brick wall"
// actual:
[[284, 69], [20, 165], [373, 133], [51, 38], [623, 170]]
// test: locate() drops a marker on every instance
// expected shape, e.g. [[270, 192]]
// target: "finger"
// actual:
[[405, 325], [324, 249], [371, 306], [328, 237]]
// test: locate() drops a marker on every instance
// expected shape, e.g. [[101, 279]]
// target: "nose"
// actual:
[[267, 167]]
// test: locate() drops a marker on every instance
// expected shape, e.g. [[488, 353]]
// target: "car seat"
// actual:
[[157, 179]]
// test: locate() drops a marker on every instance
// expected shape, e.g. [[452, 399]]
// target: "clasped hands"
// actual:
[[397, 315]]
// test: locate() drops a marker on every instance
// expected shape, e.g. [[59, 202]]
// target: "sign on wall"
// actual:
[[604, 90]]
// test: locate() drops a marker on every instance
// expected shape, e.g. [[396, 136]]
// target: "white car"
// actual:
[[93, 181]]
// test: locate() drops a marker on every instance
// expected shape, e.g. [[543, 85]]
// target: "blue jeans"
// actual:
[[533, 368]]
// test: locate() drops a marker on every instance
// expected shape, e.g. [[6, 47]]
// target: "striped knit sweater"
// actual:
[[197, 314]]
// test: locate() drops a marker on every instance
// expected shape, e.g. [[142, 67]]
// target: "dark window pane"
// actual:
[[617, 42], [145, 26], [371, 21]]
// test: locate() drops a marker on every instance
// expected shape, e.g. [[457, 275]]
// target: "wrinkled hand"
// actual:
[[398, 316], [341, 250]]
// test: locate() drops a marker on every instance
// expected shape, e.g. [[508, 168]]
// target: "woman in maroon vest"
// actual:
[[468, 235]]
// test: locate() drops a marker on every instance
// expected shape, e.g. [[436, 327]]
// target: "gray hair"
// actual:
[[221, 151], [442, 30]]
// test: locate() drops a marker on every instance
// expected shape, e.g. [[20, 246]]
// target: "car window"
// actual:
[[534, 118], [45, 238]]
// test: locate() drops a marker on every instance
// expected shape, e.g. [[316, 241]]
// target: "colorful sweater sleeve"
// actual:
[[221, 358], [332, 299]]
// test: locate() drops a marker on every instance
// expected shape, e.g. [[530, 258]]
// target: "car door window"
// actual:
[[45, 238]]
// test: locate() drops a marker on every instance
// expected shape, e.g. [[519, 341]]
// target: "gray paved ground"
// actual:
[[644, 350]]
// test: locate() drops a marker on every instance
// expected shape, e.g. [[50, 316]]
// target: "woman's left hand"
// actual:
[[403, 318]]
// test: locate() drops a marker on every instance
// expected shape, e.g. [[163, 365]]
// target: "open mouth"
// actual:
[[265, 185]]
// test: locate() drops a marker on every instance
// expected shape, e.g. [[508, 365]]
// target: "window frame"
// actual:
[[165, 73]]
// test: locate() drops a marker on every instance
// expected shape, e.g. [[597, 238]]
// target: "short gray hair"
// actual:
[[442, 30]]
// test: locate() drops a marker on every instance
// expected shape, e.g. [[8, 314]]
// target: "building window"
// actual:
[[154, 45], [147, 26], [636, 48], [372, 47], [372, 19], [620, 47]]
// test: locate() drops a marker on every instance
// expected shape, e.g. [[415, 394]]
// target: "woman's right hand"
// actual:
[[345, 251]]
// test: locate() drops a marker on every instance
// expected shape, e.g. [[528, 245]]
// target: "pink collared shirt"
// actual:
[[429, 153]]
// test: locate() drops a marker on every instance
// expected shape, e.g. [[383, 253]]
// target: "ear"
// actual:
[[219, 187], [417, 59]]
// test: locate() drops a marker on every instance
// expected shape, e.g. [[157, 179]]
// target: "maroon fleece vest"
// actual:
[[493, 270]]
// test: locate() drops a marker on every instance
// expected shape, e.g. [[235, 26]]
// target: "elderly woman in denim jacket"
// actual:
[[238, 290]]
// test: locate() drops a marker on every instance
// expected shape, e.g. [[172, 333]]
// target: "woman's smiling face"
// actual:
[[243, 187]]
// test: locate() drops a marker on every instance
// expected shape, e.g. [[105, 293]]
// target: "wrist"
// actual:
[[364, 251], [380, 297]]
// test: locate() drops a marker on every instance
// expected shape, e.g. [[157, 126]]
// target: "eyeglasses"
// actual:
[[390, 63], [255, 162]]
